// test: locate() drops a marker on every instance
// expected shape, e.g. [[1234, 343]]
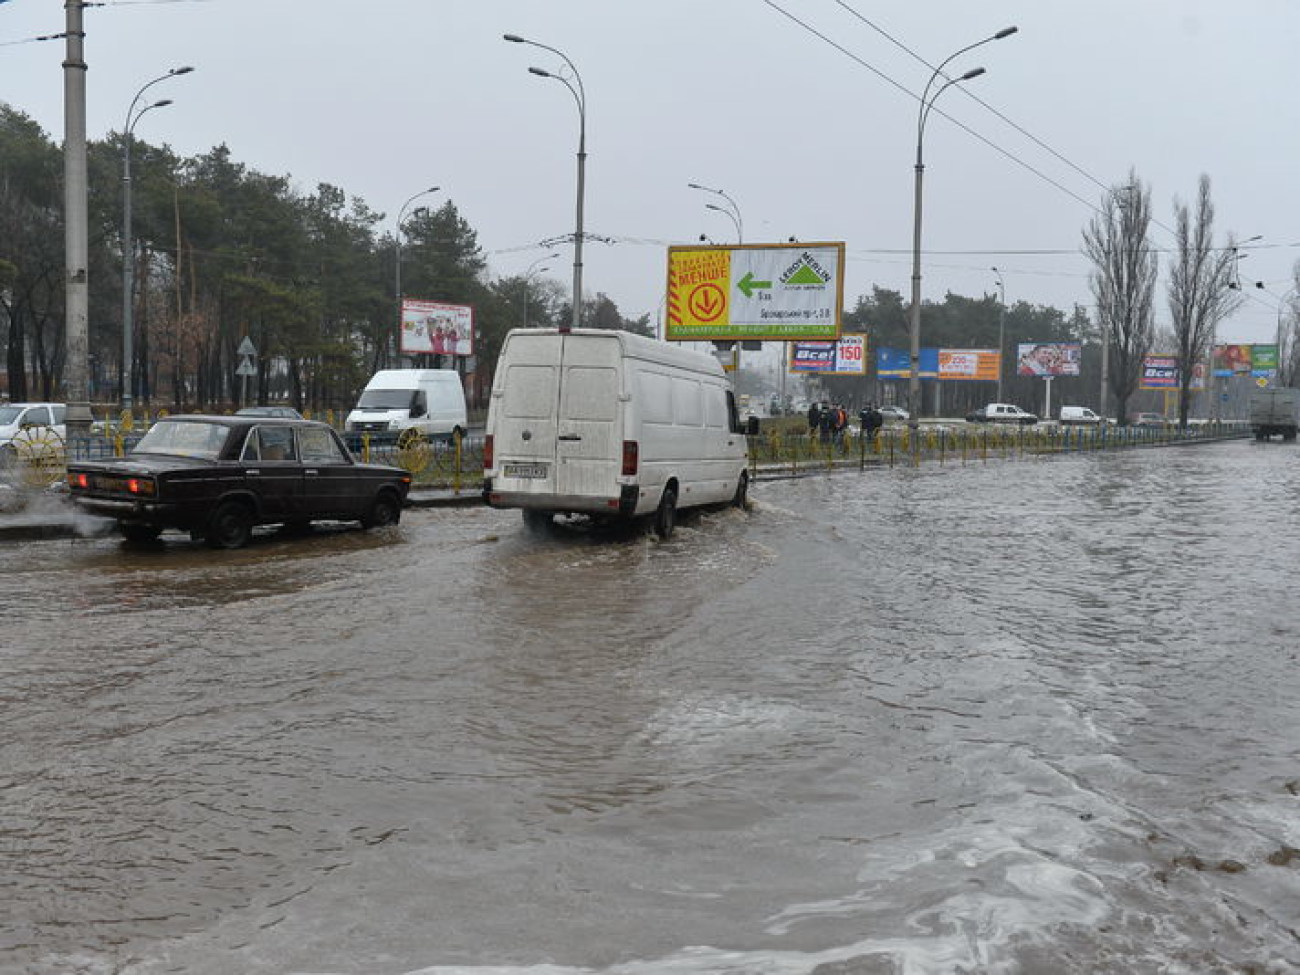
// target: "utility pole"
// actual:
[[77, 290]]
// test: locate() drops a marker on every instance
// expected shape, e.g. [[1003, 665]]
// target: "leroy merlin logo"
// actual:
[[805, 272]]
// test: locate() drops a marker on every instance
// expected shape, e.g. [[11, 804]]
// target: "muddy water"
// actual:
[[1024, 716]]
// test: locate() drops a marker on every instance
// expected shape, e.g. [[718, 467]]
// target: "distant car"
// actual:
[[1001, 413], [1078, 416], [218, 476], [894, 414], [25, 427], [286, 412], [1149, 420]]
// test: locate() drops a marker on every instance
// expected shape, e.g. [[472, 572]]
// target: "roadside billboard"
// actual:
[[897, 363], [844, 357], [980, 364], [1159, 372], [764, 292], [1259, 361], [1048, 358], [431, 327]]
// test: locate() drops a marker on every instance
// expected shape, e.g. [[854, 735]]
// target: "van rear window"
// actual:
[[530, 392], [590, 393]]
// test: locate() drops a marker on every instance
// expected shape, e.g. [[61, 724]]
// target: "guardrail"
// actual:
[[458, 463], [942, 443]]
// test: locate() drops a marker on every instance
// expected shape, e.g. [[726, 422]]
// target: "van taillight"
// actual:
[[488, 452], [629, 458]]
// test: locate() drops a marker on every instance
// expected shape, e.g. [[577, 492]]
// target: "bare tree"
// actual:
[[1123, 282], [1201, 288], [1288, 333]]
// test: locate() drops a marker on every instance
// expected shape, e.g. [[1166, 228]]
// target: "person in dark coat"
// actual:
[[814, 419], [871, 421]]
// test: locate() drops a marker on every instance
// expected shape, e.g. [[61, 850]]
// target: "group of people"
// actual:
[[829, 421]]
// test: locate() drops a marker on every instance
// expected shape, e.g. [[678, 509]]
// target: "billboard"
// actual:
[[1048, 359], [1259, 361], [1159, 372], [844, 357], [431, 327], [968, 364], [897, 363], [765, 292]]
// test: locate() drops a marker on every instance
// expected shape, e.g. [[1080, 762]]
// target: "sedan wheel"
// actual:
[[384, 511], [231, 526]]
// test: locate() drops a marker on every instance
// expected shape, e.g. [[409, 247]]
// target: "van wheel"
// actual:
[[536, 521], [384, 511], [741, 500], [231, 526], [666, 514]]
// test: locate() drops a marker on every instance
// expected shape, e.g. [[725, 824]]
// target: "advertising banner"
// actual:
[[1159, 372], [845, 357], [1259, 361], [433, 327], [765, 292], [1048, 358], [897, 364], [981, 364]]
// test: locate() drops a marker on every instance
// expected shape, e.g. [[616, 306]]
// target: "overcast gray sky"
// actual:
[[812, 136]]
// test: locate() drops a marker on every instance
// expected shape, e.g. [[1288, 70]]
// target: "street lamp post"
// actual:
[[397, 264], [1283, 305], [926, 103], [528, 276], [128, 243], [580, 98], [732, 209], [1002, 327]]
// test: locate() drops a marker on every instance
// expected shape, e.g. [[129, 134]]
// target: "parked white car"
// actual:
[[1078, 416], [1002, 413], [23, 426]]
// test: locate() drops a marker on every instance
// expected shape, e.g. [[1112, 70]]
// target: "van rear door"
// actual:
[[589, 448], [525, 419]]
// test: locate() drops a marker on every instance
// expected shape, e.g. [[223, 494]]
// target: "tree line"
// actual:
[[221, 252]]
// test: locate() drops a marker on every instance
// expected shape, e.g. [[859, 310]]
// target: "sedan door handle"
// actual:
[[568, 436], [311, 470]]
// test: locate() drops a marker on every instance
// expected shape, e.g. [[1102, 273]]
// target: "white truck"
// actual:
[[611, 425], [1274, 411], [431, 401]]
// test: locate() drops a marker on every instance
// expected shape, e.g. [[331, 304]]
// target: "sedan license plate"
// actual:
[[525, 470]]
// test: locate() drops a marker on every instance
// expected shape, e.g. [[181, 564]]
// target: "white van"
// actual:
[[429, 400], [612, 425], [1078, 416]]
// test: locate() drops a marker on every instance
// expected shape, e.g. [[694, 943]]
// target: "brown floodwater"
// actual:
[[1030, 715]]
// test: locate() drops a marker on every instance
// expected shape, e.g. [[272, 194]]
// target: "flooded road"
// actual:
[[1024, 716]]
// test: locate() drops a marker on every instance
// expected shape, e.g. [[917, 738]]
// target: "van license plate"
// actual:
[[525, 470]]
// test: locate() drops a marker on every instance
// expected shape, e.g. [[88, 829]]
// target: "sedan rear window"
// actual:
[[184, 439]]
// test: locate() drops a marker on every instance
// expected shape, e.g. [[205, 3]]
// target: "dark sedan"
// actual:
[[219, 476]]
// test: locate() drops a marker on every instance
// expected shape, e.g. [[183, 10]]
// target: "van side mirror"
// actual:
[[751, 426], [418, 404]]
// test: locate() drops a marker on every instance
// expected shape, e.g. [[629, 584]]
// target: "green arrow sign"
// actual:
[[748, 285]]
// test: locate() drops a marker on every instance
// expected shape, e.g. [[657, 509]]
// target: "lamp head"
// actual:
[[1005, 32], [182, 70], [161, 102], [513, 38], [540, 72], [972, 73]]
